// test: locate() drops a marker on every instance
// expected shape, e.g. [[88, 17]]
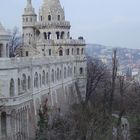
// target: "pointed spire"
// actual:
[[52, 4], [29, 8]]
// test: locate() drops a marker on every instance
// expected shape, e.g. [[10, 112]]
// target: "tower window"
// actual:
[[60, 52], [26, 19], [49, 17], [45, 35], [58, 17], [81, 70], [58, 35], [27, 54], [50, 52], [41, 18], [30, 19], [77, 51]]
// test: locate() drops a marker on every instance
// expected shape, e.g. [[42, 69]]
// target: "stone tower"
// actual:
[[29, 20], [4, 42], [53, 17]]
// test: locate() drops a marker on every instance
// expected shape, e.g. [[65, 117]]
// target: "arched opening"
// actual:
[[58, 17], [62, 35], [57, 35], [72, 51], [49, 35], [77, 51], [47, 78], [81, 70], [49, 17], [43, 77], [18, 86], [40, 80], [68, 71], [24, 82], [68, 35], [52, 76], [3, 125], [74, 70], [60, 52], [67, 52], [65, 73], [29, 82], [1, 48], [60, 75], [57, 74], [45, 35], [12, 88], [36, 80], [82, 51]]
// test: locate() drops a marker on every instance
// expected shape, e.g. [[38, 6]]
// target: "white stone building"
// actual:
[[50, 64]]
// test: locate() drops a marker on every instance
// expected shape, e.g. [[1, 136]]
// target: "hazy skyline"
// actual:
[[107, 22]]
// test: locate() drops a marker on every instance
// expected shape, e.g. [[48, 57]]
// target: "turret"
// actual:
[[52, 15], [4, 42], [29, 18]]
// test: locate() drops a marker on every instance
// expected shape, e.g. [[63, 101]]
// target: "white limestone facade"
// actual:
[[50, 63]]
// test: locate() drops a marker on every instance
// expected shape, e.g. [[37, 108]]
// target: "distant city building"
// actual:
[[50, 63]]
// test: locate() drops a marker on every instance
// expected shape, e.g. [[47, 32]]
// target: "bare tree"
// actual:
[[15, 41]]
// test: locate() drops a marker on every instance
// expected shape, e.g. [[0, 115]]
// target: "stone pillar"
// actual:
[[8, 126]]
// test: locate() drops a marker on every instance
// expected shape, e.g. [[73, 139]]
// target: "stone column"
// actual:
[[8, 126]]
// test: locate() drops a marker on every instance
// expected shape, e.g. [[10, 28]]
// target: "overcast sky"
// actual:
[[108, 22]]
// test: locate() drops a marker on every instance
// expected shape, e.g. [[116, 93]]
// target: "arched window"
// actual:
[[40, 80], [65, 73], [77, 51], [18, 86], [74, 70], [57, 74], [45, 35], [60, 74], [68, 35], [68, 71], [62, 35], [47, 78], [81, 70], [58, 17], [72, 51], [23, 82], [67, 52], [43, 77], [52, 76], [82, 51], [49, 35], [49, 17], [3, 124], [60, 52], [12, 88], [36, 80], [57, 35], [29, 82]]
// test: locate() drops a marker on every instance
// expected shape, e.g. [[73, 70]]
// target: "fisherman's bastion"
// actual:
[[49, 65]]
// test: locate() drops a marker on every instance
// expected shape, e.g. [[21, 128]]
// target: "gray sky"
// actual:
[[108, 22]]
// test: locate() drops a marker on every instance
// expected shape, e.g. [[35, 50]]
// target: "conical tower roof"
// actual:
[[3, 31], [51, 4]]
